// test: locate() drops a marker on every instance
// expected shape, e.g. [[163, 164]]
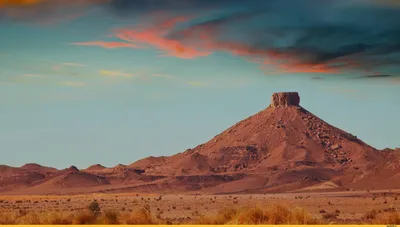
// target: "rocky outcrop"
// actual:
[[285, 99], [72, 170]]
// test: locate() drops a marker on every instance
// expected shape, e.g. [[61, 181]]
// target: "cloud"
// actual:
[[156, 36], [73, 64], [45, 12], [292, 36], [33, 75], [107, 45], [115, 73], [16, 3]]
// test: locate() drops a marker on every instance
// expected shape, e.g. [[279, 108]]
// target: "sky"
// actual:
[[113, 81]]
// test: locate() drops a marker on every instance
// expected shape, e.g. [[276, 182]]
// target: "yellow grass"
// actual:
[[272, 215], [277, 214], [141, 216], [389, 218]]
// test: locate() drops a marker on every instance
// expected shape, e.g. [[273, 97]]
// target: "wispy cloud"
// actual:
[[329, 43], [153, 36], [34, 76], [17, 3], [45, 12], [107, 45], [115, 73], [74, 64]]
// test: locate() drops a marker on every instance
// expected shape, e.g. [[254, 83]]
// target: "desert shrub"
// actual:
[[94, 207]]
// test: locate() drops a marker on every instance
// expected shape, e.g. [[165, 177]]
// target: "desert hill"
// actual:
[[282, 148]]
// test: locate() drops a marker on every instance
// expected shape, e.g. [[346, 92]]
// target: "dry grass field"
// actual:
[[313, 208]]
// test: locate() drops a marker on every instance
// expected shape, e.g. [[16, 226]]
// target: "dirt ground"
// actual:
[[348, 207]]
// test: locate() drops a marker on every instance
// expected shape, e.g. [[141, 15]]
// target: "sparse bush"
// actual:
[[94, 207]]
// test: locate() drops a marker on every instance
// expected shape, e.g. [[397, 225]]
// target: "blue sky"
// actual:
[[101, 83]]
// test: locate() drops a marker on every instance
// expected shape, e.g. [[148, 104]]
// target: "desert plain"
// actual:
[[350, 207]]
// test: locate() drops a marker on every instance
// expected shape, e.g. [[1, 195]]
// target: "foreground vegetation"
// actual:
[[277, 214]]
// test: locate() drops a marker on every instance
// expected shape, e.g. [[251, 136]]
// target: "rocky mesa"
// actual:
[[282, 148]]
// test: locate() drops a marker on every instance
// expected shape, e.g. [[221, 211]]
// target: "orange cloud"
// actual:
[[202, 41], [14, 3], [155, 36], [59, 3], [45, 12], [107, 45]]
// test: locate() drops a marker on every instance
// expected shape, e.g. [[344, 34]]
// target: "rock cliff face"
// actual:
[[285, 99]]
